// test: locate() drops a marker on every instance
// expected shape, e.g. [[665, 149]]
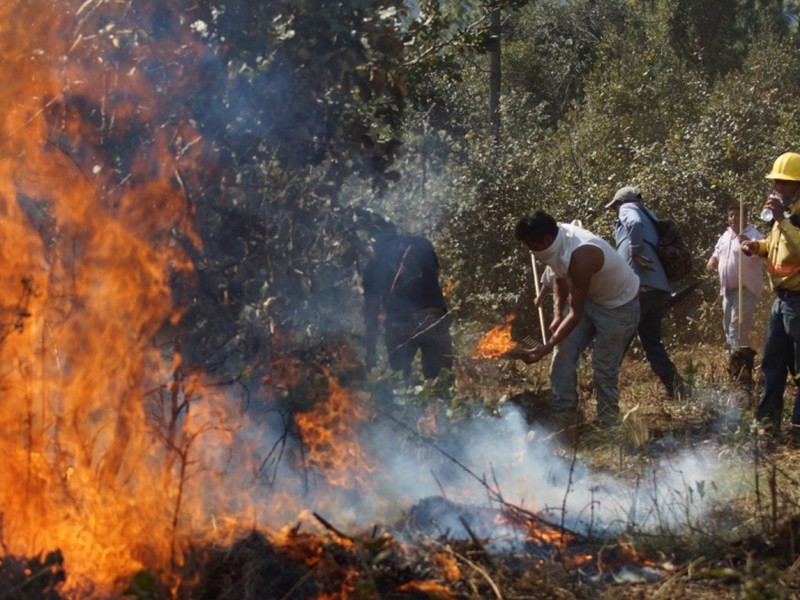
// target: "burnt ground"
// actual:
[[744, 548], [748, 548], [756, 557]]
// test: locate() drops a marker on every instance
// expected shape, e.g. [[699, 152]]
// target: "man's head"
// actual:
[[537, 231], [785, 175], [385, 229], [376, 226], [733, 217], [623, 195]]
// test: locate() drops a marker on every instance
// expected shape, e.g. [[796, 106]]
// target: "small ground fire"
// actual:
[[496, 342]]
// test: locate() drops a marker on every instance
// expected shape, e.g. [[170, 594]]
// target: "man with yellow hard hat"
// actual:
[[782, 250]]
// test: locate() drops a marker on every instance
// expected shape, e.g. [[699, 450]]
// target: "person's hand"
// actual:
[[749, 247], [645, 263], [775, 204], [536, 354], [743, 238], [540, 300]]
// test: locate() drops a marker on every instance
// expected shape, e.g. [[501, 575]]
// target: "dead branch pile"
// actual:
[[31, 579]]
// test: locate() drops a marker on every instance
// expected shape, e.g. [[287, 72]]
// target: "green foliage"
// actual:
[[715, 36], [551, 47], [694, 136], [309, 112], [302, 85], [307, 104], [705, 33], [146, 586], [296, 99]]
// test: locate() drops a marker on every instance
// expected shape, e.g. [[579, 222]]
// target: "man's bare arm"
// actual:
[[586, 261]]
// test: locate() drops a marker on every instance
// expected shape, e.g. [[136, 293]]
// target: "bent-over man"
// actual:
[[401, 282], [599, 292]]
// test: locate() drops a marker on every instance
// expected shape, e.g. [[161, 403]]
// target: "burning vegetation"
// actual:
[[123, 458], [496, 342]]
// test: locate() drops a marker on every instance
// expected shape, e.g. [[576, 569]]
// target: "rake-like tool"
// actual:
[[523, 348]]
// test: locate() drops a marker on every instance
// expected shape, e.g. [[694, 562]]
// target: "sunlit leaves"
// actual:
[[640, 112]]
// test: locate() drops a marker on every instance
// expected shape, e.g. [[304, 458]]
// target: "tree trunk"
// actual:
[[494, 69]]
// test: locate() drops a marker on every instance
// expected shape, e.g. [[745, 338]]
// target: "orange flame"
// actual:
[[449, 567], [538, 532], [113, 453], [313, 550], [329, 432], [98, 438], [614, 557], [496, 341], [430, 588]]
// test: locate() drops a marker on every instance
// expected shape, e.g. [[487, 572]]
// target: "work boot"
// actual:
[[793, 436], [740, 365], [679, 390], [564, 426], [607, 419]]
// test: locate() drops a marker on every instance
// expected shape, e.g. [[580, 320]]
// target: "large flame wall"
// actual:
[[93, 214]]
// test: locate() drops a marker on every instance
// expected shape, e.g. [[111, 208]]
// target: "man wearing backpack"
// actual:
[[401, 283], [636, 239]]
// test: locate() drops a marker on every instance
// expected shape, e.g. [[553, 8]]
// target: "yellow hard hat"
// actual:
[[786, 167]]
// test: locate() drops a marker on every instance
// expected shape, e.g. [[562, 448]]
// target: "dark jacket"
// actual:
[[403, 277]]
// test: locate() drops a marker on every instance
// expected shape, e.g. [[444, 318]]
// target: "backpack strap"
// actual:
[[649, 215], [654, 221]]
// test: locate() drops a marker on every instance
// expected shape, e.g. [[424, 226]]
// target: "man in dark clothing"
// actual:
[[401, 282]]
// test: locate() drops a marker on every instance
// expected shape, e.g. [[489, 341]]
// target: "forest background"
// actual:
[[455, 119]]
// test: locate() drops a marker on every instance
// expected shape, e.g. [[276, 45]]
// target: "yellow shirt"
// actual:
[[782, 249]]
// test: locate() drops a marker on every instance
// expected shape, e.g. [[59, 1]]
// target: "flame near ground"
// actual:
[[113, 454], [88, 253]]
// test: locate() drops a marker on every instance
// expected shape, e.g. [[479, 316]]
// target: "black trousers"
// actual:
[[427, 331]]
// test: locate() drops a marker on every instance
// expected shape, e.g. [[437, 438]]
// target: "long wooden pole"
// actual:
[[741, 277], [538, 291]]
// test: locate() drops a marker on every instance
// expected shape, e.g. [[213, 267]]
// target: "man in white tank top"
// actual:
[[600, 291]]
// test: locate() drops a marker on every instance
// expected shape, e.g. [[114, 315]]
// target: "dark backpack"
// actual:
[[672, 250]]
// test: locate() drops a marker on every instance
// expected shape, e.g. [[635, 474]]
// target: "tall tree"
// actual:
[[715, 36], [495, 66]]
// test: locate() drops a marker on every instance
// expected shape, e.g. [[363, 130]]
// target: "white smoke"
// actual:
[[484, 459]]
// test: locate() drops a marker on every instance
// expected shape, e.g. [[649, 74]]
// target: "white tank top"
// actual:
[[613, 285]]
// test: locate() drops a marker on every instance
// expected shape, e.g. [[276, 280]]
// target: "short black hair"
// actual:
[[733, 206], [535, 227]]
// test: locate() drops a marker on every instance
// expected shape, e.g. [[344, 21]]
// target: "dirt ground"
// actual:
[[751, 551]]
